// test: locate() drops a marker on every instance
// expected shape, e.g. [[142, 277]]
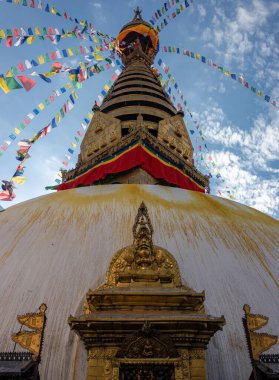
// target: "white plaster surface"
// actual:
[[54, 248]]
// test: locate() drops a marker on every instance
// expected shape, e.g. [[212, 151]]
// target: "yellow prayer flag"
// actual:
[[58, 119], [19, 180], [198, 56], [227, 73], [260, 93], [37, 31], [16, 1], [17, 131], [74, 145], [98, 57], [50, 74], [90, 115], [41, 59], [9, 74], [95, 39], [172, 80], [69, 85], [2, 33], [53, 11], [41, 106], [70, 52], [82, 23], [4, 86], [107, 87], [97, 49], [182, 8], [75, 94], [30, 39]]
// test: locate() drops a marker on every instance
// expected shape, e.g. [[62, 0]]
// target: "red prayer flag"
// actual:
[[65, 15], [16, 32], [21, 67], [51, 31], [51, 98], [79, 133], [56, 65], [53, 55], [4, 147], [32, 3], [9, 41], [26, 121], [5, 196], [26, 82]]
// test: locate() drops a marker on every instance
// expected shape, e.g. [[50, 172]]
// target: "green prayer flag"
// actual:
[[12, 83], [24, 2], [9, 33], [47, 102], [76, 139], [192, 55], [62, 112], [45, 31], [22, 126], [41, 37], [76, 50], [14, 70], [47, 59]]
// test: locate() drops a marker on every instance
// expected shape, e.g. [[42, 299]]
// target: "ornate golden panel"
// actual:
[[103, 131], [173, 133]]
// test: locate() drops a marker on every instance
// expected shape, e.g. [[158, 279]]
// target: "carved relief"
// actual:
[[142, 261], [147, 344], [196, 354], [182, 369], [172, 131], [103, 131]]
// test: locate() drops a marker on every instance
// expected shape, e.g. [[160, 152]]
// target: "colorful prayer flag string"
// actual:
[[91, 70], [53, 11], [70, 150], [181, 6], [213, 170], [168, 5], [236, 77]]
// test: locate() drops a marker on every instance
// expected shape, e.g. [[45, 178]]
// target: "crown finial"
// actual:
[[137, 14]]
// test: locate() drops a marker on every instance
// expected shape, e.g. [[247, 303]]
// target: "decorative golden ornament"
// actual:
[[32, 340], [257, 342]]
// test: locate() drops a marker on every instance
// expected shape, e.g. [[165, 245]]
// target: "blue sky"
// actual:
[[241, 130]]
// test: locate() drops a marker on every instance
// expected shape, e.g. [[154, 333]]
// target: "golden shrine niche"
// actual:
[[143, 323]]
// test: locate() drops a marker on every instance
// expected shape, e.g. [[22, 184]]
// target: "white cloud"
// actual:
[[243, 38], [259, 145], [246, 187], [97, 5], [201, 10]]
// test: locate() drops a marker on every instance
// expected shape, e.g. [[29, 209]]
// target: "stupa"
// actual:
[[139, 273]]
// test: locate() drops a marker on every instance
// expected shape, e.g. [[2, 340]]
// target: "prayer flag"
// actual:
[[30, 39], [41, 59], [19, 180], [12, 83], [26, 82], [45, 78], [3, 85], [9, 41]]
